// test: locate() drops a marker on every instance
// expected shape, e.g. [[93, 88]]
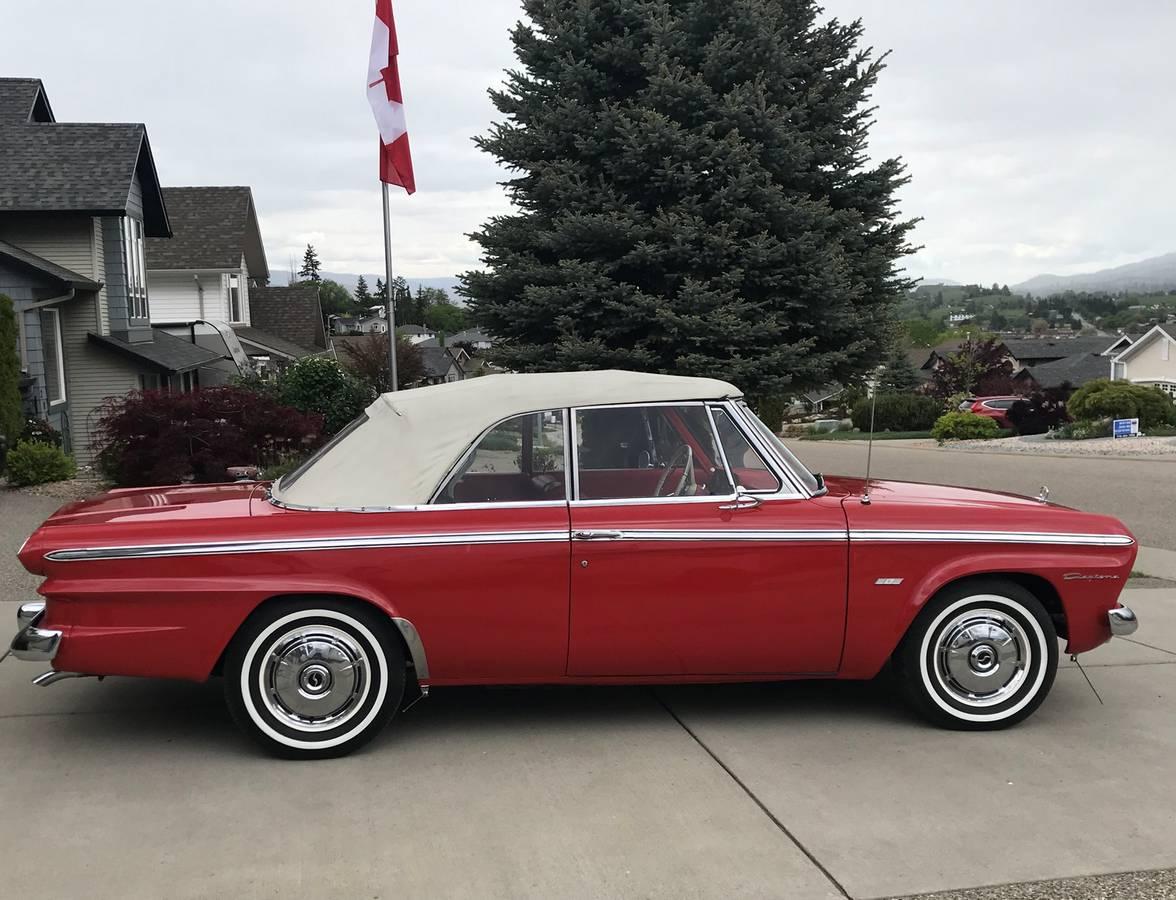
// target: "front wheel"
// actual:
[[311, 679], [981, 655]]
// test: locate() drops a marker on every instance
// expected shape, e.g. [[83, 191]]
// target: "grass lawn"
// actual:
[[863, 435]]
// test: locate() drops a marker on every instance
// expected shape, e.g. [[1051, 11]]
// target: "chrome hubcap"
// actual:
[[982, 657], [314, 678]]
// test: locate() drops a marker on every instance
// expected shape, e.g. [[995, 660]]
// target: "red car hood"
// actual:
[[928, 494], [152, 504]]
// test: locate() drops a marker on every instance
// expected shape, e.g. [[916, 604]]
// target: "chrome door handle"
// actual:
[[743, 501], [597, 535]]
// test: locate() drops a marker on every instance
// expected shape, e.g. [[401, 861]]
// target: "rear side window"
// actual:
[[520, 460]]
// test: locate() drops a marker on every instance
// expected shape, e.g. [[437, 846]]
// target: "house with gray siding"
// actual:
[[78, 203]]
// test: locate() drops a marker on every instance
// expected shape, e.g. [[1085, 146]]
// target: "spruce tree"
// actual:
[[363, 296], [310, 265], [693, 195], [381, 294]]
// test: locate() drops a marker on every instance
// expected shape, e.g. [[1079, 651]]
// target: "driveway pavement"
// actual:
[[130, 788], [1142, 492]]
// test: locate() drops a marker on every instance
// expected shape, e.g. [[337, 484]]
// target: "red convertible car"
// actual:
[[595, 527]]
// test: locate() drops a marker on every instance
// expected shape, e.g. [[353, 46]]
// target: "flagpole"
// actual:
[[388, 282]]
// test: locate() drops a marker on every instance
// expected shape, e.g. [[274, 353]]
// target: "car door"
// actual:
[[494, 607], [673, 573]]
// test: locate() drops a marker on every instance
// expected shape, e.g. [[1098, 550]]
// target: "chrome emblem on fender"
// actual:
[[1080, 576], [888, 581]]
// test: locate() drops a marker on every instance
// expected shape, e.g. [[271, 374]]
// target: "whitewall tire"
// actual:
[[981, 655], [310, 679]]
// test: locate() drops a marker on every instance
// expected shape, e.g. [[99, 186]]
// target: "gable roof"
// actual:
[[1057, 348], [469, 336], [212, 228], [438, 361], [23, 101], [79, 167], [292, 312], [28, 260], [1156, 331], [1075, 370]]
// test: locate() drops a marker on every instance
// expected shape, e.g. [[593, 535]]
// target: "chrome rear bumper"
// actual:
[[31, 643], [1123, 621]]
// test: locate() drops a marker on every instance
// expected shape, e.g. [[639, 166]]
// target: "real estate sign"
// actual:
[[1125, 428]]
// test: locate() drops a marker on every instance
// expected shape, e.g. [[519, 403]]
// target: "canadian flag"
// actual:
[[383, 90]]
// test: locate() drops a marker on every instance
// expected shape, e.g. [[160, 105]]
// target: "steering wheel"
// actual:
[[687, 464]]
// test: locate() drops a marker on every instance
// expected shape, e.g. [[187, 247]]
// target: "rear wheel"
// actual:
[[981, 655], [311, 679]]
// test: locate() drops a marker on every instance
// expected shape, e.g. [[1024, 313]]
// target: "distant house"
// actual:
[[343, 324], [78, 203], [1150, 360], [371, 325], [474, 338], [817, 400], [441, 365], [416, 333]]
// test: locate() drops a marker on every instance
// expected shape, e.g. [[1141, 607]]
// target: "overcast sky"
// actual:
[[1040, 135]]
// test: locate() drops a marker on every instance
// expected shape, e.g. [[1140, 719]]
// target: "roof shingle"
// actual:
[[22, 101], [292, 312], [212, 228]]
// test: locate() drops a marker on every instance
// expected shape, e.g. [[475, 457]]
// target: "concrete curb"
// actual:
[[1157, 563]]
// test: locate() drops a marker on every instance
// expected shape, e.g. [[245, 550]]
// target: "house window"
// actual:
[[136, 269], [54, 358], [235, 299], [1167, 387]]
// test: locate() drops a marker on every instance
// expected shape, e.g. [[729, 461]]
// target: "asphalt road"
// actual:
[[132, 788], [1141, 492]]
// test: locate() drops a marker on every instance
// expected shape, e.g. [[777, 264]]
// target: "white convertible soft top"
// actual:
[[411, 439]]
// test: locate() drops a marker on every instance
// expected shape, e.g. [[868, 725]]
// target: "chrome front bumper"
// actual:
[[1123, 621], [31, 643]]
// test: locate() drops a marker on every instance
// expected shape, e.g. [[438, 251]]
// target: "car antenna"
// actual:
[[873, 388]]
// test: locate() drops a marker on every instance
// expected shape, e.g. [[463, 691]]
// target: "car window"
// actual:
[[777, 446], [749, 468], [518, 461], [999, 404], [636, 452]]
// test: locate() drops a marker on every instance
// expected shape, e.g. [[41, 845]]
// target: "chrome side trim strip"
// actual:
[[335, 543], [993, 537], [711, 534]]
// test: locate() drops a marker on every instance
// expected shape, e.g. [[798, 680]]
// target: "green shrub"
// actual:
[[964, 426], [11, 417], [320, 386], [31, 462], [1106, 399], [898, 412], [1082, 431]]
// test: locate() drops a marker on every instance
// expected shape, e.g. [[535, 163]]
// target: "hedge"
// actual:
[[897, 412], [964, 426]]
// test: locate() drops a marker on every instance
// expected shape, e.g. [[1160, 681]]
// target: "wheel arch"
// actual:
[[404, 630]]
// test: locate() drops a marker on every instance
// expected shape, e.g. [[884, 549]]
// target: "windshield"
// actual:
[[810, 481]]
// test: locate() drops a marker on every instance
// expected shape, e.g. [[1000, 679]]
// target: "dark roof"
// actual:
[[1056, 348], [165, 352], [1075, 370], [292, 312], [469, 336], [212, 228], [413, 329], [59, 273], [23, 101], [265, 341], [437, 361], [77, 167]]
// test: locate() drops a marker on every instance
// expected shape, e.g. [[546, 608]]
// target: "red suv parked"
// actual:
[[994, 407]]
